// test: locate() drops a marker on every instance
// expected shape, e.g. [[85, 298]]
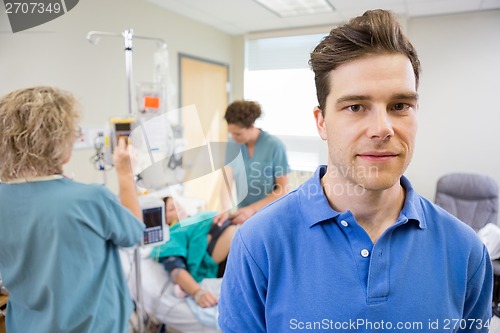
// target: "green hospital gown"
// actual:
[[188, 239]]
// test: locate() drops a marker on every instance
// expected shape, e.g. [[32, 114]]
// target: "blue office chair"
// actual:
[[473, 198]]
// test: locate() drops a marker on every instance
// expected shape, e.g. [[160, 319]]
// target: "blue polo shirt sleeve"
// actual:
[[243, 292], [477, 307]]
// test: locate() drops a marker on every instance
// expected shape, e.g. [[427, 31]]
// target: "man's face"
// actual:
[[370, 121]]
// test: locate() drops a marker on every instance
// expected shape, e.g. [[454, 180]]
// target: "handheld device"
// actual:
[[116, 128], [153, 214]]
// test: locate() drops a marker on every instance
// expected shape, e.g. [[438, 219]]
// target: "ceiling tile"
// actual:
[[246, 16]]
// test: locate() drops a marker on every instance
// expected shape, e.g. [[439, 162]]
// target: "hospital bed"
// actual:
[[159, 299]]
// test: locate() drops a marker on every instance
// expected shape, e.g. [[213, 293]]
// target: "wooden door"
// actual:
[[204, 86]]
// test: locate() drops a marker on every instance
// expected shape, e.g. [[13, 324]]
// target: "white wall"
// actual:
[[58, 53], [460, 90]]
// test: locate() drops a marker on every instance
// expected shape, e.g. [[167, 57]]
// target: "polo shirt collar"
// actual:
[[412, 208], [314, 204], [315, 207]]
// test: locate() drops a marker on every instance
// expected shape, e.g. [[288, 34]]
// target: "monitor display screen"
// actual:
[[123, 127], [152, 217], [156, 231]]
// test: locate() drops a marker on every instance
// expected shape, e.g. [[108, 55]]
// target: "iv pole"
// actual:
[[94, 37]]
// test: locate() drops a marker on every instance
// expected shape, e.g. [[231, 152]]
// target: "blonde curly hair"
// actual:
[[38, 127]]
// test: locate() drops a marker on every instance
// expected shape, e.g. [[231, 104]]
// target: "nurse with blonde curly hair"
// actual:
[[58, 252]]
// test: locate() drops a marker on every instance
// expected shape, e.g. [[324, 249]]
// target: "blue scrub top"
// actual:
[[299, 265], [257, 179], [59, 257]]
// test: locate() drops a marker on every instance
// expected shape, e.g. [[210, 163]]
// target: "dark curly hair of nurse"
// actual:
[[243, 113]]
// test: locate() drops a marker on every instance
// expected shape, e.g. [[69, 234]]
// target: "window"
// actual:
[[278, 76]]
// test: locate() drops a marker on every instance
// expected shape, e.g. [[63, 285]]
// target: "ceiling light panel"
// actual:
[[290, 8]]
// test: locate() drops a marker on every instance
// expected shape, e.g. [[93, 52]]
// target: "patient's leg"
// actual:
[[221, 248]]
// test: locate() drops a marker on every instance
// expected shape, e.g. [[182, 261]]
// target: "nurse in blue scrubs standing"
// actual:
[[263, 178]]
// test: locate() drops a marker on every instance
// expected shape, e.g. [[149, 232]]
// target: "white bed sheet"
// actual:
[[160, 301]]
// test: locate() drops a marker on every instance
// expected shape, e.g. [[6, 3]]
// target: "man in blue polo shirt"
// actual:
[[355, 248]]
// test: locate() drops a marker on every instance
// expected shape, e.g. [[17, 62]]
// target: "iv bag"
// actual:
[[153, 144]]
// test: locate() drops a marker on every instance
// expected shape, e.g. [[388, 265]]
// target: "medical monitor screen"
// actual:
[[123, 127], [153, 219]]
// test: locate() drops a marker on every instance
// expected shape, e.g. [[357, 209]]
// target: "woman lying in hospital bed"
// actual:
[[181, 279]]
